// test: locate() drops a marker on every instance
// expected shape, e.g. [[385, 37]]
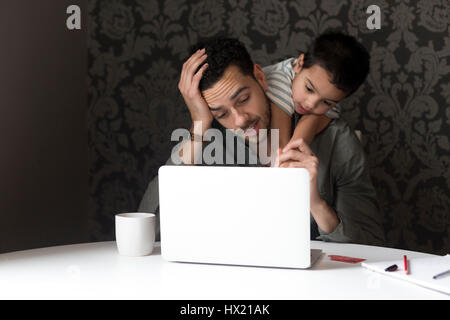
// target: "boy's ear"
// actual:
[[299, 65], [260, 76]]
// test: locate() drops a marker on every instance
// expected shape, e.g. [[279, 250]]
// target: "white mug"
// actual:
[[135, 233]]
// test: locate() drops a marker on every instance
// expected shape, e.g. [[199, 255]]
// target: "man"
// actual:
[[230, 89]]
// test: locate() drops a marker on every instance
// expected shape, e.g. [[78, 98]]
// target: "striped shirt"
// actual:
[[279, 78]]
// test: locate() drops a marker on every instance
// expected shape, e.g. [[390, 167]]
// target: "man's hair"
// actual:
[[222, 53], [341, 55]]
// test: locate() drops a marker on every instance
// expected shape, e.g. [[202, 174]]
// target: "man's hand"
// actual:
[[297, 154], [188, 86]]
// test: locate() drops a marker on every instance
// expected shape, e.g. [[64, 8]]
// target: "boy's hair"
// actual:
[[222, 53], [341, 55]]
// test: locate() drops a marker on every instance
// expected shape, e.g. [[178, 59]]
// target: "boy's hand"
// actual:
[[188, 86]]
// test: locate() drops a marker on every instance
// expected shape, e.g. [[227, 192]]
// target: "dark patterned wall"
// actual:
[[136, 49]]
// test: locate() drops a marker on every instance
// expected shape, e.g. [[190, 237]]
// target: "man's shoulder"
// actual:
[[341, 139], [340, 126], [344, 133]]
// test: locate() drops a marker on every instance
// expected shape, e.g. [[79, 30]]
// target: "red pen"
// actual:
[[405, 262]]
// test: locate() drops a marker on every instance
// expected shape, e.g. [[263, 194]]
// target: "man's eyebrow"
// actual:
[[233, 96], [237, 92], [318, 91]]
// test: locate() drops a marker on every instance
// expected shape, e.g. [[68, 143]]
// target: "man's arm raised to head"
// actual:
[[188, 85]]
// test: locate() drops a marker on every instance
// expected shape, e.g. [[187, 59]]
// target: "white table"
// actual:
[[97, 271]]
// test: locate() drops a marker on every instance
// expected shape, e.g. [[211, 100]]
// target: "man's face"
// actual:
[[238, 101], [312, 90]]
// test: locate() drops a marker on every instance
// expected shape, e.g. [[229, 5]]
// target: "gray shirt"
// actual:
[[344, 183]]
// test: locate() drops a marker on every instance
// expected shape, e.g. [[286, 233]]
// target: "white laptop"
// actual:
[[236, 215]]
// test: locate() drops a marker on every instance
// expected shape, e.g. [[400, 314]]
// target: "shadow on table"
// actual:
[[55, 251]]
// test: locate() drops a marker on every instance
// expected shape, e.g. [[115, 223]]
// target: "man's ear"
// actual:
[[299, 65], [260, 76]]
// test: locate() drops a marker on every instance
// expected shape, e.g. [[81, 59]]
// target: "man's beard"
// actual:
[[264, 121], [268, 113]]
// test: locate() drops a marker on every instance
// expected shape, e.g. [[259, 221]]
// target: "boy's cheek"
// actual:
[[297, 97]]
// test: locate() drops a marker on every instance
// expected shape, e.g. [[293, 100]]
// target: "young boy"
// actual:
[[312, 85]]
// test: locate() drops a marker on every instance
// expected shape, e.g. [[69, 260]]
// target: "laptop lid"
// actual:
[[255, 216]]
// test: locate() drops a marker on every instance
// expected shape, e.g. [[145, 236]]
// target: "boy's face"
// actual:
[[312, 90], [238, 101]]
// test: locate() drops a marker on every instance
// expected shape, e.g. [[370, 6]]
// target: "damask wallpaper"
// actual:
[[137, 48]]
